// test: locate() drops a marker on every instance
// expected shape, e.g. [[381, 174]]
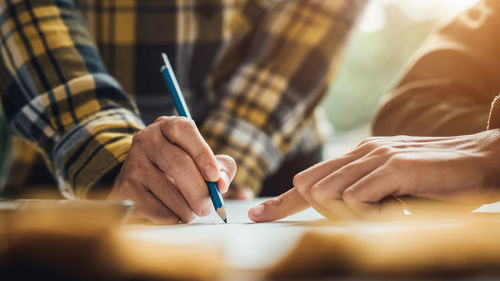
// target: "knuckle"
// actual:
[[349, 195], [202, 155], [317, 193], [343, 172], [299, 180], [140, 138], [160, 119], [275, 203], [180, 126], [383, 149], [364, 142], [304, 190], [177, 160], [397, 162], [372, 141]]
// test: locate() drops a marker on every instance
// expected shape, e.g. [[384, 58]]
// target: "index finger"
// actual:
[[280, 207], [183, 132]]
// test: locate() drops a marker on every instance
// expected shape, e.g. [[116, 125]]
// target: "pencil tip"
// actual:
[[222, 213]]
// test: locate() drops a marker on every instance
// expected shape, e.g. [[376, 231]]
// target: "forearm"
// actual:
[[427, 110], [57, 94], [448, 88]]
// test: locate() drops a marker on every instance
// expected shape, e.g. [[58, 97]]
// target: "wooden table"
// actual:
[[248, 247]]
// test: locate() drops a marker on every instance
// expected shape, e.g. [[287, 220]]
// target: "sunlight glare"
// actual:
[[375, 16]]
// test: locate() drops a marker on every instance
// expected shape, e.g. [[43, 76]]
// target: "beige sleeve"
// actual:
[[448, 88]]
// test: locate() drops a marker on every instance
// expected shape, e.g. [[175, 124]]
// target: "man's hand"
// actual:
[[166, 170], [462, 169]]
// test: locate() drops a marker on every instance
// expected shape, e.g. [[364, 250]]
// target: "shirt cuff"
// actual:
[[494, 119], [92, 149], [253, 150]]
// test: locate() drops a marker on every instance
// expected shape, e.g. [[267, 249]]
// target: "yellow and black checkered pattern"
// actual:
[[74, 73]]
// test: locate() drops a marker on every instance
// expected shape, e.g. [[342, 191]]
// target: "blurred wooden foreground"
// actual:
[[441, 246], [61, 240]]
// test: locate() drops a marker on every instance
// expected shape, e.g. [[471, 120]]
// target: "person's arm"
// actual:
[[265, 103], [449, 87], [462, 170], [57, 94], [447, 92]]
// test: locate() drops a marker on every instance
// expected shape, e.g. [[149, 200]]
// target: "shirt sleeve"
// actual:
[[266, 102], [450, 84], [57, 94]]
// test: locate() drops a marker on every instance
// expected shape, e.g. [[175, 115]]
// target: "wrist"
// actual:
[[101, 189]]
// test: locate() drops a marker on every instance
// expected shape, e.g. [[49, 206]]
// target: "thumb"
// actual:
[[286, 204]]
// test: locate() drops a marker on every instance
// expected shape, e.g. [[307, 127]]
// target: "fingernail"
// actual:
[[257, 211], [225, 178], [211, 173]]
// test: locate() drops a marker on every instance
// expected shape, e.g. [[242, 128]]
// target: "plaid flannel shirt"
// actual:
[[73, 75]]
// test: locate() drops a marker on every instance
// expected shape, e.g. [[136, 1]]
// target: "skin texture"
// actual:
[[461, 169], [166, 170]]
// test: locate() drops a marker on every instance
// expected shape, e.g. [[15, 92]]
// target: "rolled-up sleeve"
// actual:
[[57, 94], [448, 88]]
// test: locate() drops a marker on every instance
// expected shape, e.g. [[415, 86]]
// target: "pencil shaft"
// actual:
[[182, 109], [174, 89]]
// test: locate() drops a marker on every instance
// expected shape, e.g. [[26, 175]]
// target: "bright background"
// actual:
[[385, 38]]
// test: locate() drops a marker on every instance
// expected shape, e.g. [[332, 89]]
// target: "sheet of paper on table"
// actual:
[[247, 245]]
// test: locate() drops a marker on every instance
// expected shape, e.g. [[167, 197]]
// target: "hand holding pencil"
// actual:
[[167, 170], [180, 105]]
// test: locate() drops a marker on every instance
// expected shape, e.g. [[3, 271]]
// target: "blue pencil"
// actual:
[[182, 110]]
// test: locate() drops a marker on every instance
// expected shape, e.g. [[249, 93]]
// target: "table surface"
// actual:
[[247, 245]]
